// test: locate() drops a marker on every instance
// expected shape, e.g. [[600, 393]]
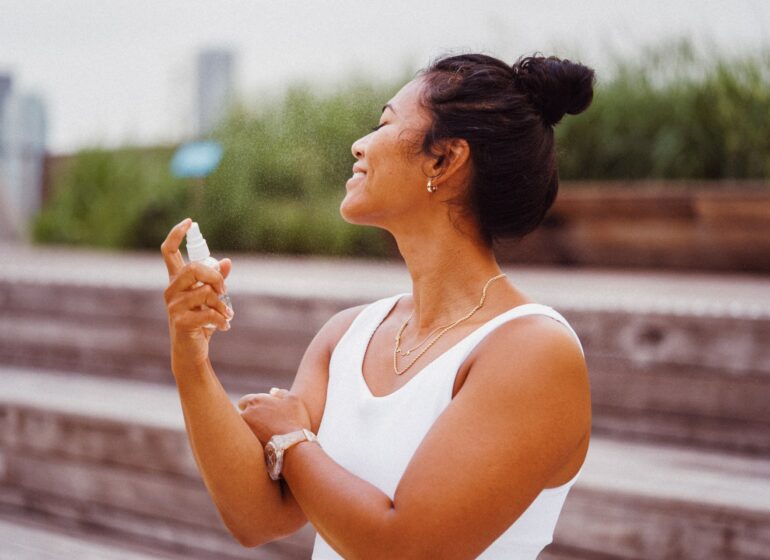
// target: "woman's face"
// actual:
[[389, 175]]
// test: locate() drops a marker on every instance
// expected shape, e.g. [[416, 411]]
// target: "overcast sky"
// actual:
[[117, 71]]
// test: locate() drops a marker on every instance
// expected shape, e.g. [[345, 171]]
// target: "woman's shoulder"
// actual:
[[522, 347], [533, 355], [529, 332], [537, 322], [336, 326], [340, 322], [534, 319]]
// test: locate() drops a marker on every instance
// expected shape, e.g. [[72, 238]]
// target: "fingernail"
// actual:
[[229, 312], [227, 326]]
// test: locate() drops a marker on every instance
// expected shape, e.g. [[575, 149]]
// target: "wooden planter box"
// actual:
[[721, 226]]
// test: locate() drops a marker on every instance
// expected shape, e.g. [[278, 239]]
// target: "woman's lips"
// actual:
[[357, 177]]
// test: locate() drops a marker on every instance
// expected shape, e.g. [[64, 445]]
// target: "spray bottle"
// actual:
[[198, 251]]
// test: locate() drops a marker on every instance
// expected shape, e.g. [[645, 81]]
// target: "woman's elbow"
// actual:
[[247, 540], [258, 534], [252, 538], [250, 535]]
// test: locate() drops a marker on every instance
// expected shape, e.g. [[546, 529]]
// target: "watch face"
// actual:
[[272, 460], [270, 455]]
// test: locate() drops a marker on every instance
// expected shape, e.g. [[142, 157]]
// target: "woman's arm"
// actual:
[[231, 460], [255, 508], [523, 411], [309, 386], [228, 455]]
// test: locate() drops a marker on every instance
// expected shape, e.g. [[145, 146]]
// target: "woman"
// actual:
[[445, 428]]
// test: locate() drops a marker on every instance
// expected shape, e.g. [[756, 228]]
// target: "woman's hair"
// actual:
[[506, 114]]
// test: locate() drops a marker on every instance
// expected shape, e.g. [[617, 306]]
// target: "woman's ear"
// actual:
[[454, 156]]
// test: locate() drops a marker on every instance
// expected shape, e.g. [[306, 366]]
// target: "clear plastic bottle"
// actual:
[[198, 251]]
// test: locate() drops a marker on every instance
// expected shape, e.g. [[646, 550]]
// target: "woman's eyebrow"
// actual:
[[388, 106]]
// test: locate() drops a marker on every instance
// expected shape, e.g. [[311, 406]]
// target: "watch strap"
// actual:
[[311, 436], [285, 441]]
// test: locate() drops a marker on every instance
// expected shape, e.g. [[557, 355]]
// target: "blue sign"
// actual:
[[196, 159]]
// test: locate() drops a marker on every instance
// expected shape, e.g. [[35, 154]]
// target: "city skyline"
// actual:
[[124, 73], [23, 139]]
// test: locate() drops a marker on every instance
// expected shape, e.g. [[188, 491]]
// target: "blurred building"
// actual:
[[213, 87], [5, 91], [23, 130]]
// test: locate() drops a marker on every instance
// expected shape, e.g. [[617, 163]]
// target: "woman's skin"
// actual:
[[519, 421]]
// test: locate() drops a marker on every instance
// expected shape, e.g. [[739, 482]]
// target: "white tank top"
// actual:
[[357, 429]]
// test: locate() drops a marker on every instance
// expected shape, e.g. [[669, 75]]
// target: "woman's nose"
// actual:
[[358, 148]]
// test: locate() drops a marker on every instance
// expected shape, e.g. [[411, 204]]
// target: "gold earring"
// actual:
[[431, 187]]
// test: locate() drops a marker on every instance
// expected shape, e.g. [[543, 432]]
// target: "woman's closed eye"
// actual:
[[376, 128]]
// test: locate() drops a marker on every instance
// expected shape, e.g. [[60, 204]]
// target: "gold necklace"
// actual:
[[397, 349], [412, 349]]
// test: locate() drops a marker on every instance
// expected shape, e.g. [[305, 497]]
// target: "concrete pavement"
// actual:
[[685, 293]]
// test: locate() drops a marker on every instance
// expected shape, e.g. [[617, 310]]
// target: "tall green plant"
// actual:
[[675, 113], [107, 198]]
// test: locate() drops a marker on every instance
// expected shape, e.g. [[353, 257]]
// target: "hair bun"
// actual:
[[554, 86]]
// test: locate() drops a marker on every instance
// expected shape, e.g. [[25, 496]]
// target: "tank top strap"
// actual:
[[369, 318], [345, 353], [373, 314], [470, 342]]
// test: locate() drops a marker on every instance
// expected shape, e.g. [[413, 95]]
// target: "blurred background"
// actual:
[[119, 119]]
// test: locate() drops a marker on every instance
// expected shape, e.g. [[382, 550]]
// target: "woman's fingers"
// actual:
[[193, 273], [190, 306], [197, 302], [201, 296], [251, 398], [196, 318], [170, 247], [225, 266], [194, 290]]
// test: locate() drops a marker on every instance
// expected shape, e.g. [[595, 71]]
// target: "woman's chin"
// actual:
[[347, 211], [352, 211]]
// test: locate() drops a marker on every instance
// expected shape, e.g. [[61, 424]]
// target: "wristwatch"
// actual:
[[277, 446]]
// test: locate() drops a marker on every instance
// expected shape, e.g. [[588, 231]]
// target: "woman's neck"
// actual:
[[448, 275]]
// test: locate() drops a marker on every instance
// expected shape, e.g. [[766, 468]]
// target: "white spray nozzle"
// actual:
[[197, 249]]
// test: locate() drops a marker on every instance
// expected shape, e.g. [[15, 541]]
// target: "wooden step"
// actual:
[[672, 357], [112, 454], [26, 538]]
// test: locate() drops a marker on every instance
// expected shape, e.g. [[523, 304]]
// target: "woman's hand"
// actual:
[[191, 305], [278, 412]]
